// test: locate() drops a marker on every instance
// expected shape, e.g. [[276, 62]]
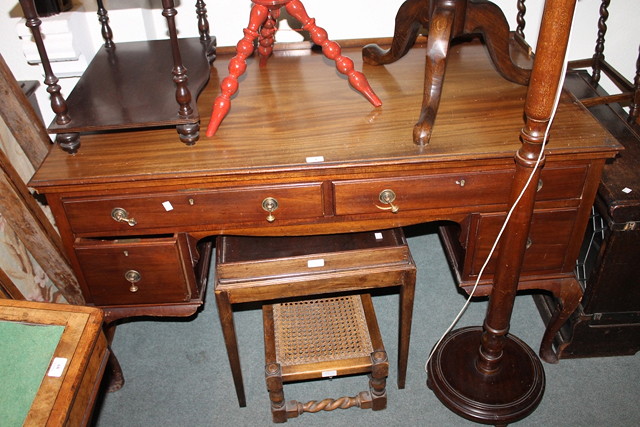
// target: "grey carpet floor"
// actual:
[[177, 373]]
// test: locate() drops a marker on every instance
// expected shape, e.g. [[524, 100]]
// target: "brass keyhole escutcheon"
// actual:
[[270, 205], [121, 215], [387, 197], [133, 277]]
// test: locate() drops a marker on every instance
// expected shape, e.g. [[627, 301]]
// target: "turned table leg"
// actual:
[[446, 20], [237, 67], [262, 25], [411, 16], [440, 31], [332, 50]]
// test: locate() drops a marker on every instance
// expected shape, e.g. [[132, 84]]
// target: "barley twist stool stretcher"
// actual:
[[321, 338]]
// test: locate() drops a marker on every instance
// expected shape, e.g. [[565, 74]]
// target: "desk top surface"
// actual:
[[299, 107]]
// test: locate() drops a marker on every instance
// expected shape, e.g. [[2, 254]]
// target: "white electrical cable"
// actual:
[[517, 201]]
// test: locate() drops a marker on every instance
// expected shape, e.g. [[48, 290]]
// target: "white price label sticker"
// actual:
[[167, 206], [315, 159], [315, 263], [57, 367]]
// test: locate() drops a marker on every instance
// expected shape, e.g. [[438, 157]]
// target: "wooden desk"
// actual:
[[66, 399], [294, 134], [285, 117]]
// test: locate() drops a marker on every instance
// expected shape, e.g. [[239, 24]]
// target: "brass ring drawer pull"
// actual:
[[388, 197], [121, 215], [133, 277], [270, 205]]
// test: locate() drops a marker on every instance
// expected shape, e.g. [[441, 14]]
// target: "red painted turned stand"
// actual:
[[262, 25]]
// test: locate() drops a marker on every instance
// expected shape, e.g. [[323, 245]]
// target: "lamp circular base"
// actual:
[[506, 396]]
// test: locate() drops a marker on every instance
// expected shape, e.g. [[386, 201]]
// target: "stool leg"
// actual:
[[378, 380], [332, 51], [273, 376], [267, 36], [237, 67]]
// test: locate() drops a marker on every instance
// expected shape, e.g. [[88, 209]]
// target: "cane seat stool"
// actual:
[[318, 338], [277, 269]]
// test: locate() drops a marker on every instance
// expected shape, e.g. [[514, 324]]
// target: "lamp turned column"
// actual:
[[483, 373]]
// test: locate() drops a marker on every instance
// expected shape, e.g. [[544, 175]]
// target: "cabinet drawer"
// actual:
[[192, 208], [561, 184], [423, 192], [549, 239], [137, 271]]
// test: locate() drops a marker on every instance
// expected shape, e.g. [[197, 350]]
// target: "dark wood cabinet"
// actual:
[[607, 322]]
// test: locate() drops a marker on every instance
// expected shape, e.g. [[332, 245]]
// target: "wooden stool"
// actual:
[[322, 338], [250, 269], [262, 26]]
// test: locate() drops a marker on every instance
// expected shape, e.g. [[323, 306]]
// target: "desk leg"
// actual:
[[570, 294], [407, 293], [113, 371], [229, 332]]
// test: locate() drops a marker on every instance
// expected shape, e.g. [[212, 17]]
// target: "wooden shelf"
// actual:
[[130, 86]]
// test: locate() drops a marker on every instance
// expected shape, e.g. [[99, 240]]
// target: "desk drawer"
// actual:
[[137, 271], [423, 192], [248, 259], [549, 239], [561, 184], [192, 208]]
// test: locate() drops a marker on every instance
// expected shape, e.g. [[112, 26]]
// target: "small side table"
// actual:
[[64, 353], [250, 269]]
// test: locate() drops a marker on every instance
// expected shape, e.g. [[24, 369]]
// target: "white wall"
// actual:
[[343, 19]]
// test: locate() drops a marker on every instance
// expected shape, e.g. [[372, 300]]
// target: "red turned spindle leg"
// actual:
[[267, 36], [332, 51], [237, 67]]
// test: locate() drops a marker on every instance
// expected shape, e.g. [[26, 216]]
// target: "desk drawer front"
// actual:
[[136, 271], [423, 192], [193, 208], [561, 184], [549, 239]]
